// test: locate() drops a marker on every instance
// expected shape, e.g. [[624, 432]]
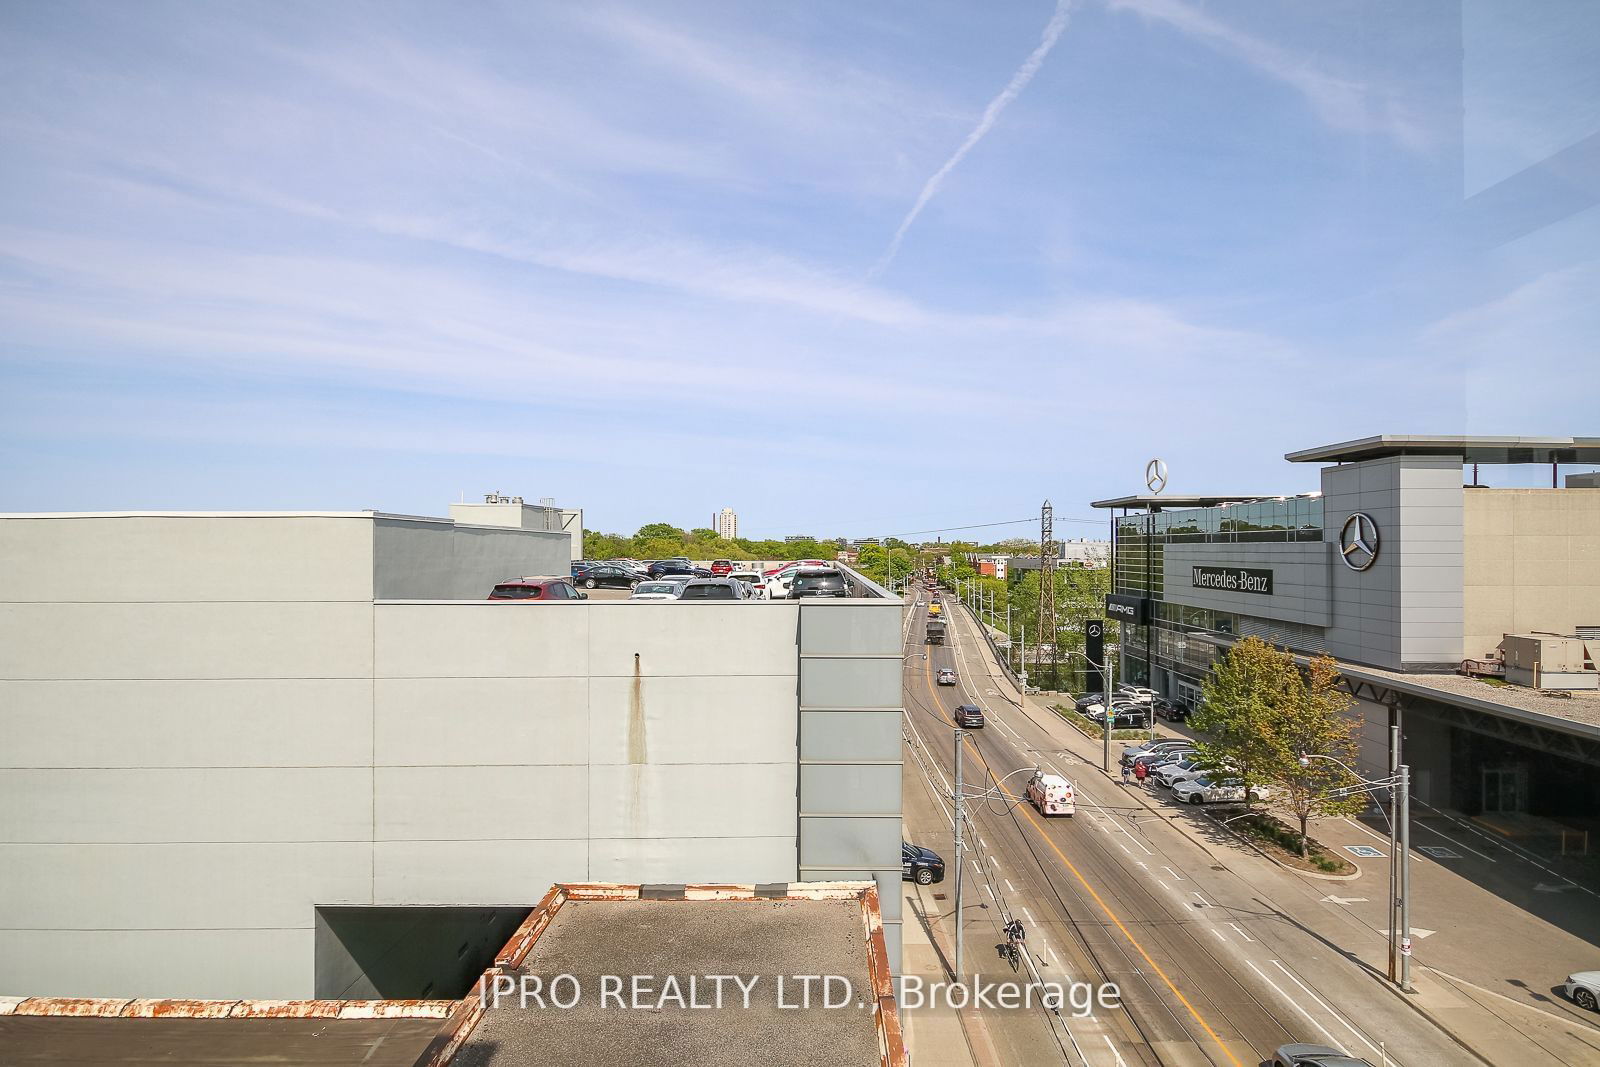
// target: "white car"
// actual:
[[754, 581], [1135, 692], [1203, 790], [946, 676], [1583, 988], [656, 589]]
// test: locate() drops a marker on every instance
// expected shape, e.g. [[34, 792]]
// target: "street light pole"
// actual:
[[960, 819], [1399, 786]]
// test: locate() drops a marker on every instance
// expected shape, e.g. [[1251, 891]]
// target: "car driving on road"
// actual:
[[969, 716], [946, 676]]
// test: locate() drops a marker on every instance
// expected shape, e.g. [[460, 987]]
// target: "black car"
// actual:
[[969, 716], [817, 581], [606, 574], [1302, 1055], [1088, 700], [666, 568], [1170, 710], [920, 865]]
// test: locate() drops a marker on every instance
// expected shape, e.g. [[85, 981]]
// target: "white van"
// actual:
[[1051, 794]]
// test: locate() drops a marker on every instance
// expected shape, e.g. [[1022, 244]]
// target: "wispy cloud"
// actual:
[[1019, 81], [1345, 103]]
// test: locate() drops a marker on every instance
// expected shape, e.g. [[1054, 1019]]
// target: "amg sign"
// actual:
[[1128, 608], [1232, 579]]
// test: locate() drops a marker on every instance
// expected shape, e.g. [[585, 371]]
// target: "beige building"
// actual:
[[1531, 561], [726, 523]]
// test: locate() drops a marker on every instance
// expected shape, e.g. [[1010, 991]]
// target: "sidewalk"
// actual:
[[933, 1036], [1492, 1026]]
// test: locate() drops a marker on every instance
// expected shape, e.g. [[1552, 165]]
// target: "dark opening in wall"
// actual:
[[366, 953]]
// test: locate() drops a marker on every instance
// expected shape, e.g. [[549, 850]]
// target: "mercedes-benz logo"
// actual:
[[1358, 541], [1155, 475]]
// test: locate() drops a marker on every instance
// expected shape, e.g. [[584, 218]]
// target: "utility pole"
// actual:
[[960, 819], [1024, 661], [1047, 583], [1405, 878]]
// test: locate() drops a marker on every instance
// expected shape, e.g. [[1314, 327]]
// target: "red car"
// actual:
[[526, 589], [797, 563], [721, 568]]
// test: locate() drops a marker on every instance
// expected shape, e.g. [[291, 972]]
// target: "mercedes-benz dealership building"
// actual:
[[1468, 614]]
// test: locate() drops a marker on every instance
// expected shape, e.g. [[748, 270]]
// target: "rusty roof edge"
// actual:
[[886, 1009], [154, 1008]]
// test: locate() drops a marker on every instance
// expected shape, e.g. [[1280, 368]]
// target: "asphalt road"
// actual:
[[1211, 969]]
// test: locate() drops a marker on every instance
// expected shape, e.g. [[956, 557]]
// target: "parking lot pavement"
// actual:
[[1481, 912], [608, 594]]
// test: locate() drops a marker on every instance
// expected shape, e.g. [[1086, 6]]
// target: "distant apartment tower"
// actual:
[[726, 523]]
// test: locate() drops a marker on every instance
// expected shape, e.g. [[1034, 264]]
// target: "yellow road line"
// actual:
[[1032, 819]]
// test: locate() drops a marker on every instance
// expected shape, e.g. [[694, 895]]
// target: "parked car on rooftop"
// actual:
[[721, 568], [666, 567], [817, 581], [607, 574], [531, 589], [755, 580], [712, 589], [656, 590]]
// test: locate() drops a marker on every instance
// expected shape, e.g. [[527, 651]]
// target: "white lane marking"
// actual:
[[1295, 1004], [1009, 887], [983, 844], [995, 862], [1163, 885], [1329, 1009], [1241, 932], [986, 889], [1028, 913], [1117, 824], [1440, 833], [1174, 874], [1124, 848], [1204, 903], [976, 873], [1120, 1061], [1220, 935]]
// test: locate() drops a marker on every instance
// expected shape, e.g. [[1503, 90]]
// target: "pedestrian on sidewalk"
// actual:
[[1126, 771], [1141, 772]]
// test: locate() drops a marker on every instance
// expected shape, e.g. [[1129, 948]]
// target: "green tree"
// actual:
[[1313, 720], [1245, 696]]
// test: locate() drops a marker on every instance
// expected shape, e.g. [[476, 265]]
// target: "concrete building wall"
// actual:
[[1532, 562], [435, 559], [1405, 611], [184, 782], [186, 763], [851, 706]]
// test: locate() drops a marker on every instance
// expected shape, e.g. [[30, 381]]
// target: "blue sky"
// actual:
[[642, 258]]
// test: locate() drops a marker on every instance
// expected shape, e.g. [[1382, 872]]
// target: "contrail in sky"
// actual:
[[1019, 81]]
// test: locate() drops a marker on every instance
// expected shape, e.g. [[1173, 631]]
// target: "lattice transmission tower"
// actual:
[[1047, 586]]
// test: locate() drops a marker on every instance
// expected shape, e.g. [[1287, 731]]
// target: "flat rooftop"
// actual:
[[1471, 449], [645, 938], [1164, 501], [763, 935], [313, 1033], [1576, 714]]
